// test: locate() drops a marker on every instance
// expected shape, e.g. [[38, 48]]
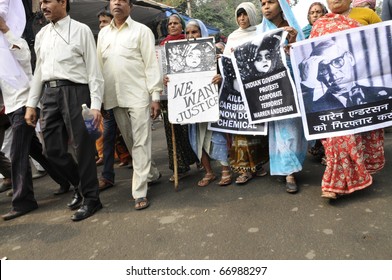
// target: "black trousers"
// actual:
[[24, 143], [63, 125], [5, 164]]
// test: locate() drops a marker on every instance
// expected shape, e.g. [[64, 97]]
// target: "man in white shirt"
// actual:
[[126, 53], [67, 75], [24, 140]]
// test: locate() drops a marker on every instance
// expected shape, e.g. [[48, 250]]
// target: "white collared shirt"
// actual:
[[66, 51], [15, 97], [129, 65]]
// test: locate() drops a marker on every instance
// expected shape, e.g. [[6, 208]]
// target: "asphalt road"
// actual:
[[256, 221]]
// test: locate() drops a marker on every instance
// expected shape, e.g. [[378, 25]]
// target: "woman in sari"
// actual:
[[287, 143], [351, 159], [247, 153], [205, 143], [316, 10], [185, 154]]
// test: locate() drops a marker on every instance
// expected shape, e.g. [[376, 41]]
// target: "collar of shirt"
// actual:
[[62, 28], [128, 22]]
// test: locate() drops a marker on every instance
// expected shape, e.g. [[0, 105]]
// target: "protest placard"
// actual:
[[344, 81]]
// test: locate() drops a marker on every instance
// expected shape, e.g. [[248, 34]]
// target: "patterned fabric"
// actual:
[[350, 161], [353, 158], [248, 153], [331, 23]]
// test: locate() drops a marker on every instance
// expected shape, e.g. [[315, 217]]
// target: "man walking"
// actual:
[[67, 75], [126, 53]]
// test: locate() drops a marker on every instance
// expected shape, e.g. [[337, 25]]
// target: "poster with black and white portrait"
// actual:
[[344, 81], [232, 113], [264, 80], [191, 66]]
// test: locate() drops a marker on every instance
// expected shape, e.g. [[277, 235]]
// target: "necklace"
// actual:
[[69, 32]]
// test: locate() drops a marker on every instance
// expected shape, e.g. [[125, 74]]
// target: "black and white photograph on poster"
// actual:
[[161, 57], [189, 56], [232, 114], [191, 66], [265, 83], [344, 81]]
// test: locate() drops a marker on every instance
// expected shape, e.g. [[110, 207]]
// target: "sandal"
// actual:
[[329, 195], [260, 172], [208, 178], [180, 176], [225, 179], [141, 203], [243, 178], [291, 185]]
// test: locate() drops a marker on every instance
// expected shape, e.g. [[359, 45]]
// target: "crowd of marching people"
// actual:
[[118, 79]]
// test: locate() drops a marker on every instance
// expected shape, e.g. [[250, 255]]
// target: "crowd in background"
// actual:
[[118, 80]]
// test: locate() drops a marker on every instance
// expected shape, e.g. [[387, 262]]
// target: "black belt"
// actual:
[[59, 83]]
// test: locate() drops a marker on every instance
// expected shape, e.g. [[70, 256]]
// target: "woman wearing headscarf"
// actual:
[[316, 10], [287, 143], [205, 143], [351, 159], [185, 154], [371, 4], [247, 153]]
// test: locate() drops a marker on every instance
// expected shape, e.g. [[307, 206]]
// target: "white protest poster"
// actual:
[[344, 81], [266, 86], [161, 57], [232, 114], [191, 65]]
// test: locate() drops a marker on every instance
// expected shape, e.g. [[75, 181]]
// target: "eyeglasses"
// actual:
[[336, 63]]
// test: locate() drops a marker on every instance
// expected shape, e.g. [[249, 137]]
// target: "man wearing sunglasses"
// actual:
[[334, 67]]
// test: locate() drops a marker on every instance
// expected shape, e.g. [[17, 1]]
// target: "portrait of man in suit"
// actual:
[[333, 66]]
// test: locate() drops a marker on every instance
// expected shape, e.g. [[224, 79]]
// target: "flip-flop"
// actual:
[[141, 203]]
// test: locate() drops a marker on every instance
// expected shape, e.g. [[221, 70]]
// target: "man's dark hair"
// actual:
[[104, 12]]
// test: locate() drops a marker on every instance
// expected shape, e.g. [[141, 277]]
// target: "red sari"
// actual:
[[351, 159]]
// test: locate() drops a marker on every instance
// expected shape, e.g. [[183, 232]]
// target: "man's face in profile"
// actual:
[[336, 69]]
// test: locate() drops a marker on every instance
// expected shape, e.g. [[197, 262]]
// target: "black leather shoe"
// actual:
[[62, 190], [76, 201], [15, 214], [86, 210]]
